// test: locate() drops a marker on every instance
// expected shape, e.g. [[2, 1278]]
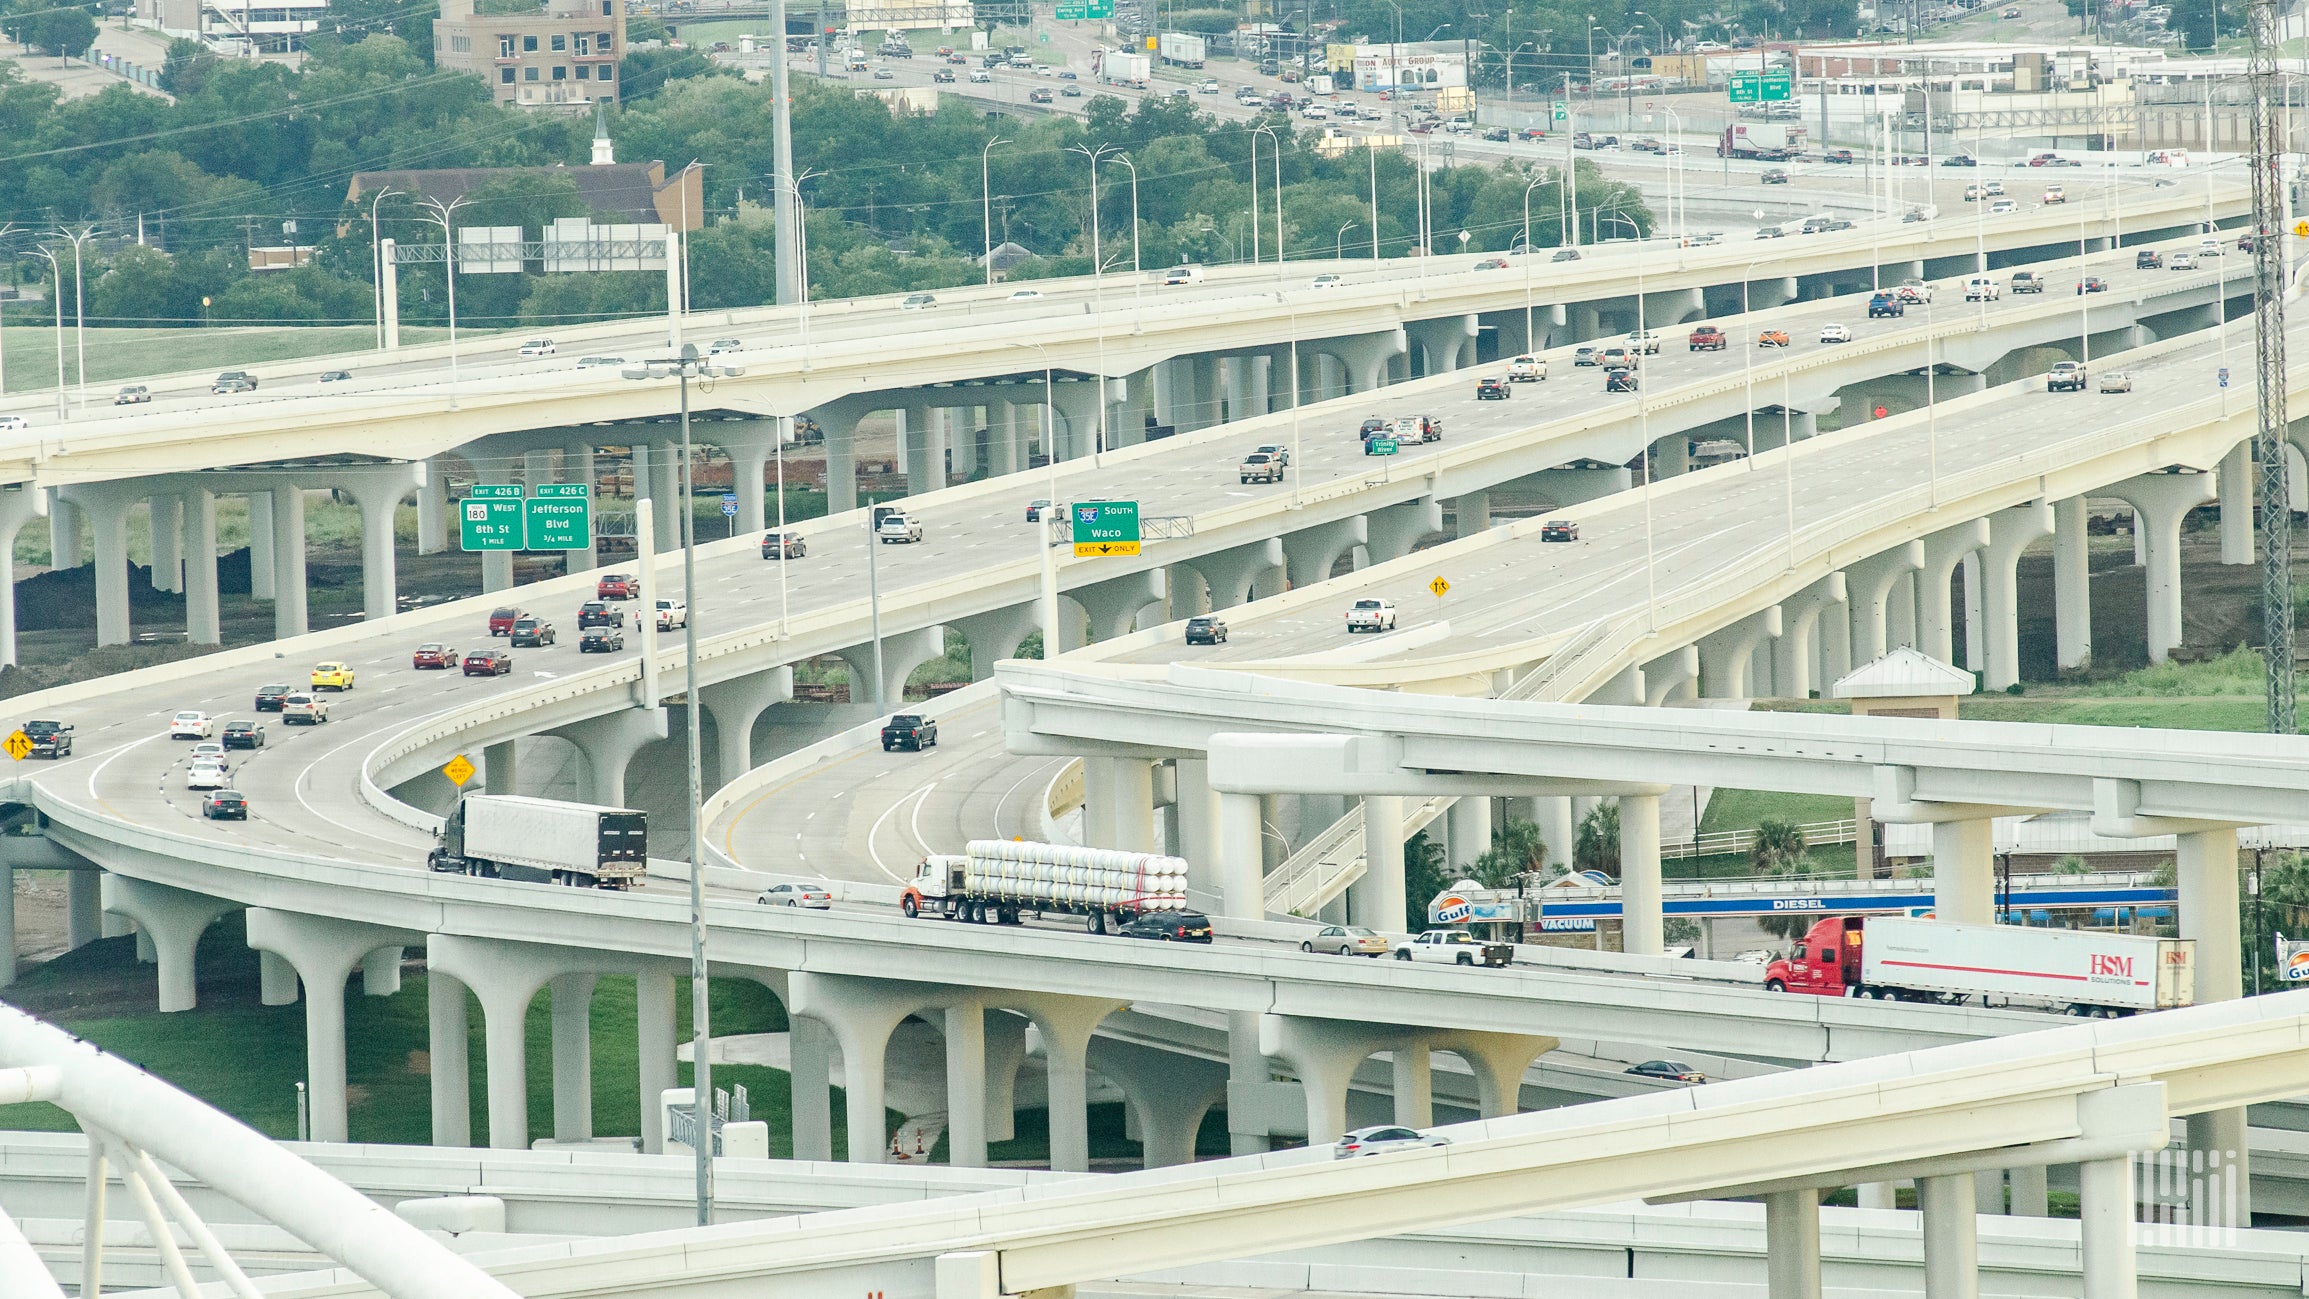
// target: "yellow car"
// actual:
[[332, 676]]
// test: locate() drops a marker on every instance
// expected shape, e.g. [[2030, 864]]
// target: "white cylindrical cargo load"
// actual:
[[1067, 876]]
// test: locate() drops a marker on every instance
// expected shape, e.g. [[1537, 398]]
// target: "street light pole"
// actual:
[[985, 201], [79, 316], [57, 297], [377, 264], [686, 366], [444, 215]]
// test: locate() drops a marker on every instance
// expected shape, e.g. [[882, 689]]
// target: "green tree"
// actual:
[[1779, 847], [1424, 876], [63, 32], [1597, 847], [186, 66], [1517, 848]]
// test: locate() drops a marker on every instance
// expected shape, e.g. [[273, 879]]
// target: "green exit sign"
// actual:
[[1762, 87], [488, 520], [559, 517], [1105, 528], [1084, 9]]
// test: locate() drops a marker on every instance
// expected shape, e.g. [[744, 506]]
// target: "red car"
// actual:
[[501, 620], [433, 655], [615, 586], [488, 663]]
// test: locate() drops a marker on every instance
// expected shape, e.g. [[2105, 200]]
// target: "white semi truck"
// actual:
[[2083, 971], [996, 881], [507, 836]]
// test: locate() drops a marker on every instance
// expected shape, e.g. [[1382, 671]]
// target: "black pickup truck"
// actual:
[[50, 740], [909, 731]]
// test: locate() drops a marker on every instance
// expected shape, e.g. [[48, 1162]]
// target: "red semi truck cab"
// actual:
[[1825, 964]]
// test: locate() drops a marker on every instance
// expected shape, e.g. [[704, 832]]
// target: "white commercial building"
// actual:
[[1409, 67]]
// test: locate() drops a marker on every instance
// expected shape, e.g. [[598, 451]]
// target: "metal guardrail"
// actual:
[[681, 1123]]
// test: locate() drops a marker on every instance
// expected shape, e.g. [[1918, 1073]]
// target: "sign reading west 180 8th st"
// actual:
[[490, 517], [1105, 528], [559, 517], [1101, 9]]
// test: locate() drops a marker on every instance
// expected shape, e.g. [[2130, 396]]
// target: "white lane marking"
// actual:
[[875, 833], [914, 822], [98, 769]]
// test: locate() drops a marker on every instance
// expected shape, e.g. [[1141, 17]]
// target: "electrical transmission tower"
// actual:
[[2269, 367]]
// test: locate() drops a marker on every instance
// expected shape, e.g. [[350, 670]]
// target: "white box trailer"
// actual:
[[996, 881], [1181, 49], [1120, 68], [2073, 968], [506, 836]]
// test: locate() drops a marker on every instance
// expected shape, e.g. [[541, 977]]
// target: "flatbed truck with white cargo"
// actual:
[[2082, 971], [544, 841], [1000, 881]]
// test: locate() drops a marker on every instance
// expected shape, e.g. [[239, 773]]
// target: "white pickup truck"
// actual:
[[1454, 947], [672, 614], [1371, 615], [1260, 467]]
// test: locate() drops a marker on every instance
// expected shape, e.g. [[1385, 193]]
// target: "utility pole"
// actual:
[[2269, 370]]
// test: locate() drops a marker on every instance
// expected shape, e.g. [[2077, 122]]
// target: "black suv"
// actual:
[[1206, 630], [269, 698], [1170, 927], [531, 632], [597, 613], [600, 640]]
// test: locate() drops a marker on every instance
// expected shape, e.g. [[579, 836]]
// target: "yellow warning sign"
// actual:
[[459, 770], [2301, 230], [19, 745], [1439, 587]]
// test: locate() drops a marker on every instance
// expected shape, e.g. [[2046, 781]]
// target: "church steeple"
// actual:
[[604, 153]]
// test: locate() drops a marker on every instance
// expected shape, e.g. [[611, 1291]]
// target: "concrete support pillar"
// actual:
[[108, 527], [2071, 586], [1471, 514], [1951, 1237], [1378, 900], [506, 977], [1726, 656], [433, 508], [1795, 649], [500, 773], [813, 1109], [1498, 1061], [1943, 551], [1242, 873], [1310, 554], [1198, 818], [1248, 1081], [83, 908], [1964, 871], [7, 925], [1468, 827], [1792, 1244], [1391, 533], [381, 971], [1975, 643], [861, 1014], [1168, 1094], [573, 1057], [2160, 503], [2236, 491], [1868, 586], [63, 531], [1365, 357], [2205, 863], [966, 1085], [173, 920], [18, 506], [1113, 606], [2009, 533], [166, 515], [2105, 1228], [653, 1007], [276, 980], [1662, 678], [1671, 456], [666, 504], [1118, 803], [736, 704], [1064, 1025], [201, 618], [1413, 1068], [1553, 817], [1231, 573], [447, 1033], [2029, 1193], [1325, 1054], [380, 503], [749, 463], [609, 743], [324, 951], [840, 425], [1640, 874], [996, 635], [288, 561]]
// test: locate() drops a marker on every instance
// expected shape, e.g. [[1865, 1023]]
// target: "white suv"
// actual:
[[904, 529], [303, 709]]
